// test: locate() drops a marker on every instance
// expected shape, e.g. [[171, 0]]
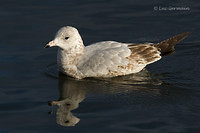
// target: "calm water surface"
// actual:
[[163, 98]]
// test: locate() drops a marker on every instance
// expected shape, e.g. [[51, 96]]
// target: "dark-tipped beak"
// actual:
[[47, 46], [50, 44]]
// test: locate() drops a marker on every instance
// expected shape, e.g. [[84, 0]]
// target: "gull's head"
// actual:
[[66, 38]]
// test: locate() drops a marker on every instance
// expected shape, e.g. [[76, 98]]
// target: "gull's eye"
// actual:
[[67, 121], [66, 38]]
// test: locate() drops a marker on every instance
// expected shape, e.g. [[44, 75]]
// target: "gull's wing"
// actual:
[[111, 58]]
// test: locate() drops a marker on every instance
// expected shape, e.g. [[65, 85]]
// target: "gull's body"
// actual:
[[107, 58]]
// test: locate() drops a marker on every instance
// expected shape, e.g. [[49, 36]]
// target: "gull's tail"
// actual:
[[166, 47]]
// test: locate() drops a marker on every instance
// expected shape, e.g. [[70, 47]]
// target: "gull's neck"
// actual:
[[70, 57]]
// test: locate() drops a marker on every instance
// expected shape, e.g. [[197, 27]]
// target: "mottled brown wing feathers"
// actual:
[[144, 53], [148, 53], [166, 47]]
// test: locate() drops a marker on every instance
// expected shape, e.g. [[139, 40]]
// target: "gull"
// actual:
[[106, 59]]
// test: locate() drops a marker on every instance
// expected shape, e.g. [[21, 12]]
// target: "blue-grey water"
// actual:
[[164, 98]]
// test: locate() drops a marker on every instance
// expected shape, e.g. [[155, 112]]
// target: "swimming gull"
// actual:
[[106, 58]]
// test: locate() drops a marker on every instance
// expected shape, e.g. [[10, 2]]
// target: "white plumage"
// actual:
[[107, 58], [104, 58]]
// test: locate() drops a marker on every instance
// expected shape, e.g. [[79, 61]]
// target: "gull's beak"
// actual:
[[50, 44], [46, 46]]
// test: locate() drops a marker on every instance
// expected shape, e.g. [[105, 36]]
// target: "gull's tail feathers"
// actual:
[[166, 47]]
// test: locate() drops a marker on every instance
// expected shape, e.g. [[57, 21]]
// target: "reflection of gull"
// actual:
[[70, 97], [107, 58], [73, 91]]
